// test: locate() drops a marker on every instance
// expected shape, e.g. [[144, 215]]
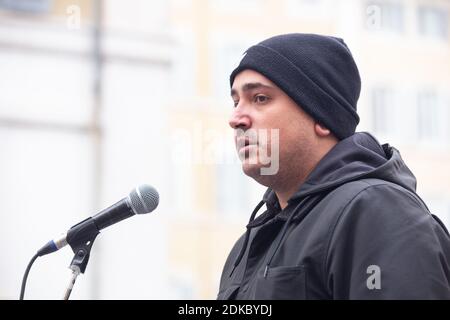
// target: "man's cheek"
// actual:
[[270, 153]]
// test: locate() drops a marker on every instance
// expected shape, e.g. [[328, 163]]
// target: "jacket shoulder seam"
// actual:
[[409, 193]]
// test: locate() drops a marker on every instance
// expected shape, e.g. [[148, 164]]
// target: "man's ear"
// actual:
[[321, 131]]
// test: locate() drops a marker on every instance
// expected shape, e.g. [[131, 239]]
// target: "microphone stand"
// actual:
[[73, 278], [80, 238]]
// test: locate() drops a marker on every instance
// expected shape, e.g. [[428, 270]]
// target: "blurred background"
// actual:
[[99, 96]]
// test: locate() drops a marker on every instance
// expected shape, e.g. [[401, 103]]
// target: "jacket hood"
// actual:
[[356, 157]]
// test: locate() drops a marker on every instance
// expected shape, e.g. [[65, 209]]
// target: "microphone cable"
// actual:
[[25, 276]]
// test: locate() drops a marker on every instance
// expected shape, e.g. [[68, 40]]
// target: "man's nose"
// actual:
[[239, 119]]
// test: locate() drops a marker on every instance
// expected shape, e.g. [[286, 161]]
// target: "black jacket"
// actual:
[[356, 229]]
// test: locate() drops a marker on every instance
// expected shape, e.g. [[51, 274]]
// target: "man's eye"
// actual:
[[235, 103], [261, 98]]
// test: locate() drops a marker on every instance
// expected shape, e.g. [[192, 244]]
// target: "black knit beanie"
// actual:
[[317, 72]]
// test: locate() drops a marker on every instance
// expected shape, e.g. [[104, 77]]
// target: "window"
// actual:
[[382, 106], [433, 22], [32, 6], [233, 190], [227, 55], [427, 116], [385, 16]]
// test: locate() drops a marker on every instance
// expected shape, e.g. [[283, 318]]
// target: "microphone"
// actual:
[[142, 199]]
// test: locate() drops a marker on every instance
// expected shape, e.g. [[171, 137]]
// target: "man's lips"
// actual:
[[244, 144], [246, 148]]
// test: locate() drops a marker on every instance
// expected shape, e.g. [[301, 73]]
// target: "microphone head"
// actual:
[[143, 199]]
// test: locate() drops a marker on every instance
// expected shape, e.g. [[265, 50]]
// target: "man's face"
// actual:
[[260, 106]]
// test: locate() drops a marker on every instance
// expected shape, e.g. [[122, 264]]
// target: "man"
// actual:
[[343, 220]]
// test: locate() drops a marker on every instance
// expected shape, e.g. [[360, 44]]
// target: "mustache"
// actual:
[[247, 137]]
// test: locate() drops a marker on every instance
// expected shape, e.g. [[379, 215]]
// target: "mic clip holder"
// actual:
[[80, 238]]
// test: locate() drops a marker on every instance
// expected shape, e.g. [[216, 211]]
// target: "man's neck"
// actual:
[[283, 197], [290, 183], [288, 189]]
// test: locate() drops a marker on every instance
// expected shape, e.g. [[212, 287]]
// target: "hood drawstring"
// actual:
[[280, 235], [247, 236], [283, 233]]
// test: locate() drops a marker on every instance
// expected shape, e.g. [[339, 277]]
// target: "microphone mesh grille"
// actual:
[[144, 199]]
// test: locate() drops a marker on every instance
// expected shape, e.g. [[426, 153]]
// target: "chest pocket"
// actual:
[[281, 283]]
